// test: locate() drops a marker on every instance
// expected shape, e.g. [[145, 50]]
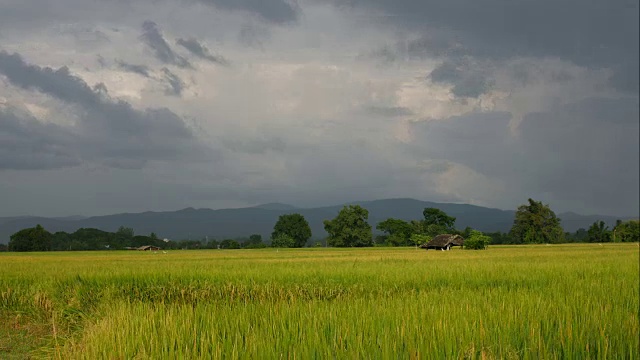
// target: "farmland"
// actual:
[[543, 301]]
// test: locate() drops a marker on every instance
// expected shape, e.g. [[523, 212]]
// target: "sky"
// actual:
[[111, 106]]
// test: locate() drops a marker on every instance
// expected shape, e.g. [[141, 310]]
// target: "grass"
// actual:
[[508, 302]]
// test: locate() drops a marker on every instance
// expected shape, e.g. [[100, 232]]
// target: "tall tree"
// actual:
[[627, 231], [599, 232], [350, 228], [125, 232], [295, 226], [31, 239], [536, 223], [399, 231], [433, 216], [435, 222]]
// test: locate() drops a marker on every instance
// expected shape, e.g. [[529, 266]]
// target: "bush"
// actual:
[[283, 241], [477, 241]]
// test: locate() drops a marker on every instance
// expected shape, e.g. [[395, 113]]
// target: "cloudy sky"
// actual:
[[112, 105]]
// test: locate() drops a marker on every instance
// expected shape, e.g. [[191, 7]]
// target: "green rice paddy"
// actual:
[[507, 302]]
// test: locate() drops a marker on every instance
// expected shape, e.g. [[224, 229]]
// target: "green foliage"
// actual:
[[599, 232], [254, 242], [31, 239], [295, 226], [477, 241], [628, 231], [536, 223], [581, 235], [419, 239], [282, 240], [211, 244], [350, 228], [399, 231], [126, 232], [435, 222], [497, 238], [229, 244], [438, 219]]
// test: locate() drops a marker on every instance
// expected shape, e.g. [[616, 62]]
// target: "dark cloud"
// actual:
[[110, 130], [580, 154], [201, 51], [592, 33], [153, 38], [142, 70], [587, 153], [176, 85], [27, 144], [273, 11], [466, 80]]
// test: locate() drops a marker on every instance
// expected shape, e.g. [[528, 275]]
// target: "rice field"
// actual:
[[507, 302]]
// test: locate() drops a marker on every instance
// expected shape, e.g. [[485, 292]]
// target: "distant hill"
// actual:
[[276, 206], [193, 223]]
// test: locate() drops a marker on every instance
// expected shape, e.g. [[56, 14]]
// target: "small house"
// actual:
[[443, 242], [148, 248]]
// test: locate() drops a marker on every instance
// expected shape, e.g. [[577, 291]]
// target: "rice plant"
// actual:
[[520, 302]]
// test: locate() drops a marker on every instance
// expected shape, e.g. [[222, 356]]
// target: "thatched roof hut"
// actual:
[[148, 248], [444, 242]]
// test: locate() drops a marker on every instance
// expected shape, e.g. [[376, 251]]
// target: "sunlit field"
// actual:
[[518, 302]]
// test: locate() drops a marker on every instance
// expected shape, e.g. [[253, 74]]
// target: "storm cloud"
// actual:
[[142, 70], [27, 144], [201, 51], [168, 104], [176, 85], [155, 40], [590, 33], [274, 11], [109, 130]]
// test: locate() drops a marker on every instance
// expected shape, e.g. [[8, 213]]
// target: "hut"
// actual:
[[443, 242], [148, 248]]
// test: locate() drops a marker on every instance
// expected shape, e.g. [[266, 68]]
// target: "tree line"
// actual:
[[534, 223]]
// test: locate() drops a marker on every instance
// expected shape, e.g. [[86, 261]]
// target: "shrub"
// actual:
[[477, 241], [283, 241]]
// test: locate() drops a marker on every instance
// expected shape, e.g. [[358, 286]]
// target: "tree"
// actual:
[[350, 228], [536, 223], [229, 244], [420, 239], [477, 241], [433, 216], [628, 231], [399, 231], [581, 235], [599, 232], [295, 226], [31, 239], [125, 232], [282, 240], [254, 242], [435, 222]]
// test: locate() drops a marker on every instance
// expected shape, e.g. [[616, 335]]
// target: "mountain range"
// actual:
[[194, 224]]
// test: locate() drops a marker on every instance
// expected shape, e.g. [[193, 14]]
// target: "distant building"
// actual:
[[148, 248], [443, 242]]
